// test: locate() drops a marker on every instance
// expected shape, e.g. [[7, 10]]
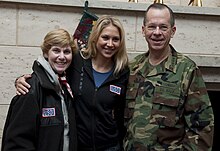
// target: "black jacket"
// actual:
[[25, 128], [99, 111]]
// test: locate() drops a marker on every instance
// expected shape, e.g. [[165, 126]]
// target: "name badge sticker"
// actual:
[[115, 89], [48, 112]]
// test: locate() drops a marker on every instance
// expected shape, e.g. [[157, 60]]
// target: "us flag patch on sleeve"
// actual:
[[115, 89], [48, 112]]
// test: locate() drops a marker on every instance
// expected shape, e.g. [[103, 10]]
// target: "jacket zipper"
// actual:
[[93, 120]]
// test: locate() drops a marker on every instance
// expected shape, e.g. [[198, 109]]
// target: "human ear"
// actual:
[[173, 31], [45, 55], [143, 31]]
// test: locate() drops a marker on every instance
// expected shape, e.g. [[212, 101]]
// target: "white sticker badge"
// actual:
[[48, 112], [115, 89]]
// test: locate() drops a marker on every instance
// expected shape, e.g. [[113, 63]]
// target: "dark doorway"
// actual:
[[214, 96]]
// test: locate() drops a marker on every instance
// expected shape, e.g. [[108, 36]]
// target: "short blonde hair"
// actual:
[[57, 37], [120, 58]]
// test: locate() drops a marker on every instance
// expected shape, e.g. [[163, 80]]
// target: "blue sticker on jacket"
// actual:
[[115, 89], [48, 112]]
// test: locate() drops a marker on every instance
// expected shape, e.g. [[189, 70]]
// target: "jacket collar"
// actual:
[[139, 64], [88, 68], [46, 81]]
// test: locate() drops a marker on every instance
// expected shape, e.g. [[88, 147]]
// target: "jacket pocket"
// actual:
[[50, 121], [165, 103]]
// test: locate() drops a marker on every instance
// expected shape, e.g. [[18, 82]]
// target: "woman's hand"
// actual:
[[22, 87]]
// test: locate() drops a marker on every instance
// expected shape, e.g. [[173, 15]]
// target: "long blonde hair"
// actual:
[[120, 58]]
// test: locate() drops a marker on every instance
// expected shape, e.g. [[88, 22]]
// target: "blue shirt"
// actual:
[[100, 77]]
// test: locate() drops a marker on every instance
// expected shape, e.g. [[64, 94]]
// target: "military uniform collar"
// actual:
[[171, 62], [139, 64]]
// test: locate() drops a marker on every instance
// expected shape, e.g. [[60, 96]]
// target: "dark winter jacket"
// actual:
[[99, 111], [35, 121]]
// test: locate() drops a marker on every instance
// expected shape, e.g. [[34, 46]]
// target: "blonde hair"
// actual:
[[57, 37], [120, 58]]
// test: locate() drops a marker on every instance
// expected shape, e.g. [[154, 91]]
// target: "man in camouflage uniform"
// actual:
[[168, 108]]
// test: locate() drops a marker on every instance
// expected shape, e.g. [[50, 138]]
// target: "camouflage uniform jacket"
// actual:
[[168, 107]]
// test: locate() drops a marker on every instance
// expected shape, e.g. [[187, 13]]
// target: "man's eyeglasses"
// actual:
[[153, 28]]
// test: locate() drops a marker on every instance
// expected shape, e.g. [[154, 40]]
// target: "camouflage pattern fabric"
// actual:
[[168, 107]]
